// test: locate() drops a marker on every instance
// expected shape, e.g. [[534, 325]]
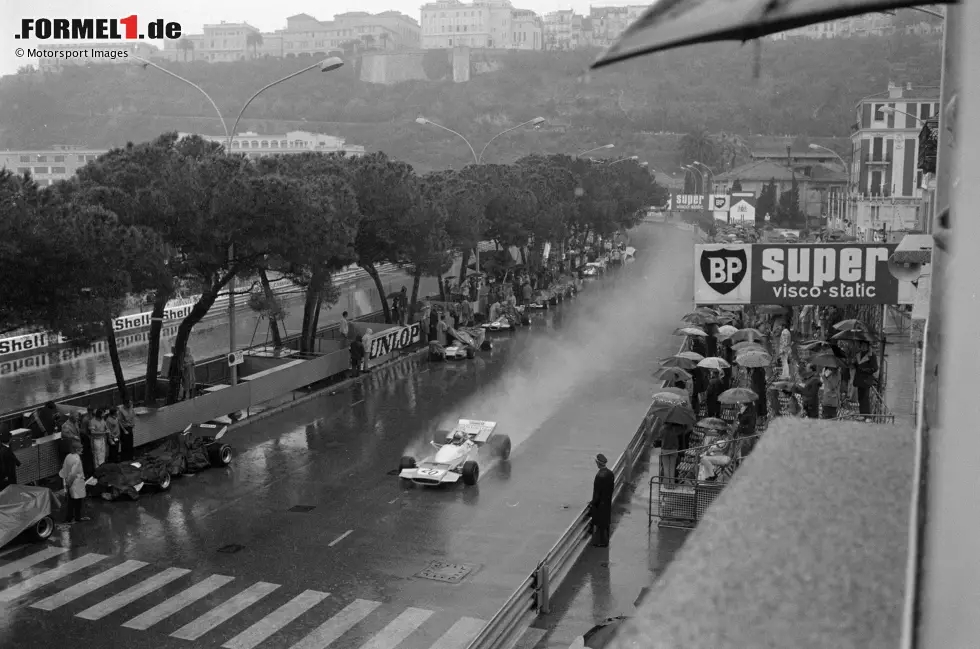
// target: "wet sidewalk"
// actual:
[[903, 372], [607, 582]]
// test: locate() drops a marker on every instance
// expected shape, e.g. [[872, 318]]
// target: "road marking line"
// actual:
[[14, 567], [85, 587], [398, 629], [177, 603], [128, 596], [328, 632], [273, 622], [391, 502], [340, 538], [356, 403], [461, 634], [224, 612], [49, 576]]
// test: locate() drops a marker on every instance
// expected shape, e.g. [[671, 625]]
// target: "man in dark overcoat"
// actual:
[[600, 509]]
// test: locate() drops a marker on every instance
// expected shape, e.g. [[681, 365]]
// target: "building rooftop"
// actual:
[[765, 170]]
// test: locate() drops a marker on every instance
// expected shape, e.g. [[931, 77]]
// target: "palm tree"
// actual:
[[383, 37], [253, 40], [186, 45], [717, 150]]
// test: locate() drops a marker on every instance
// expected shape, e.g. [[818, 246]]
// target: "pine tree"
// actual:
[[736, 186]]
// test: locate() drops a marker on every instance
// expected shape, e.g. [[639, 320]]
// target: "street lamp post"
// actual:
[[598, 148], [478, 159], [707, 190], [327, 65], [616, 162]]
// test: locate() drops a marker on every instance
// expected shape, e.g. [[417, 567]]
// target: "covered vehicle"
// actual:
[[465, 343], [27, 510], [206, 439], [457, 458]]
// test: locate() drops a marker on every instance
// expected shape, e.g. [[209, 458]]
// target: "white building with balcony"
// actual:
[[491, 24], [255, 145]]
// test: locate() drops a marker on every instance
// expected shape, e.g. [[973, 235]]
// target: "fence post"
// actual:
[[628, 468], [544, 596]]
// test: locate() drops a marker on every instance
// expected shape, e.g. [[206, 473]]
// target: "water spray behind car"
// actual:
[[610, 318]]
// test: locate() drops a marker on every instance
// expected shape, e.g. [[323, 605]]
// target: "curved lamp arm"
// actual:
[[190, 83], [476, 158], [479, 159], [231, 135]]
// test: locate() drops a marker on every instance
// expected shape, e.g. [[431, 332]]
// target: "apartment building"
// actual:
[[303, 34], [563, 30], [873, 24], [47, 166], [885, 177], [609, 23], [255, 145], [494, 24]]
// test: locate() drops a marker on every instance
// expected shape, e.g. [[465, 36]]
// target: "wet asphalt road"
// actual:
[[344, 573], [34, 379]]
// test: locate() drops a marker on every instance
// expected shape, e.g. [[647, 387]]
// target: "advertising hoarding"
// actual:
[[796, 274]]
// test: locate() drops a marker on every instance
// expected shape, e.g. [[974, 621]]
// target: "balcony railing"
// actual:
[[880, 159]]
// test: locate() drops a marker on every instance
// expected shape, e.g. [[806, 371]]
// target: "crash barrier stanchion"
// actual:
[[533, 597]]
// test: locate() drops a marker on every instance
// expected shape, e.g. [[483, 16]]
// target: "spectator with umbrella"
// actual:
[[809, 390], [865, 368], [715, 387], [830, 393], [746, 426]]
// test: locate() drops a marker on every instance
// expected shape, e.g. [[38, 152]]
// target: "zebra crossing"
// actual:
[[45, 588]]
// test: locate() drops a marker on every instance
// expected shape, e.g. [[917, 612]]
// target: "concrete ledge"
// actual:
[[335, 387], [806, 548]]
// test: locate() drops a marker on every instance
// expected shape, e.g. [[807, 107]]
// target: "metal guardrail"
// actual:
[[533, 596]]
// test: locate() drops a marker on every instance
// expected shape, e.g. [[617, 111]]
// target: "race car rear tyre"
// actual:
[[471, 473], [407, 462], [470, 352], [42, 529], [220, 454], [164, 484], [500, 444]]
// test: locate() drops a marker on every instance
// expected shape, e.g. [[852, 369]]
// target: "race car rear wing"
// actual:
[[475, 429]]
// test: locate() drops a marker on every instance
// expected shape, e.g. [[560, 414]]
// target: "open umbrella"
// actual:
[[754, 358], [689, 331], [699, 319], [713, 423], [738, 395], [673, 374], [747, 334], [849, 325], [714, 363], [725, 331], [854, 335], [668, 399], [826, 360], [669, 394], [678, 361], [674, 413], [746, 345], [816, 346], [693, 356], [602, 634]]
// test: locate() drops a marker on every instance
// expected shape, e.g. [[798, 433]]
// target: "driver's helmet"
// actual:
[[457, 438]]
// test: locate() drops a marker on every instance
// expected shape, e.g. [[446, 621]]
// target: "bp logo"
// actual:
[[723, 270], [720, 202]]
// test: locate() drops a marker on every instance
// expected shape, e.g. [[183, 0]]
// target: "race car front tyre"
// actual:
[[220, 454], [42, 529], [407, 462], [500, 445], [471, 473], [164, 484]]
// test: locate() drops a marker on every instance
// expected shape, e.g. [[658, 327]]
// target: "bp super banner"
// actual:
[[794, 274]]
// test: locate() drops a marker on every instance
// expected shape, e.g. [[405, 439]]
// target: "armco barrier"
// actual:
[[532, 597]]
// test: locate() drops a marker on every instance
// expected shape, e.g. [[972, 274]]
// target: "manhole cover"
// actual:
[[452, 573], [302, 509], [232, 548]]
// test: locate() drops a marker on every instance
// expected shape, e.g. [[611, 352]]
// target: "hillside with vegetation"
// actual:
[[804, 88]]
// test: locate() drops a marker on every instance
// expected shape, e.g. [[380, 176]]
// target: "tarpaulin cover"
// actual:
[[118, 480], [21, 507], [197, 455]]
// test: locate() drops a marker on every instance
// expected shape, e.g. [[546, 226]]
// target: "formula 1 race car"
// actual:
[[458, 456]]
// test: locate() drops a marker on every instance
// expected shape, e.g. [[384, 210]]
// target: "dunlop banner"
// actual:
[[795, 274], [394, 339]]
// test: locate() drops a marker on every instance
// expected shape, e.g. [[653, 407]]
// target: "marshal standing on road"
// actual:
[[600, 509]]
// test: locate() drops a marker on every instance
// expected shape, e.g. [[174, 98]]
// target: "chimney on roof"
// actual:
[[908, 86], [894, 91]]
